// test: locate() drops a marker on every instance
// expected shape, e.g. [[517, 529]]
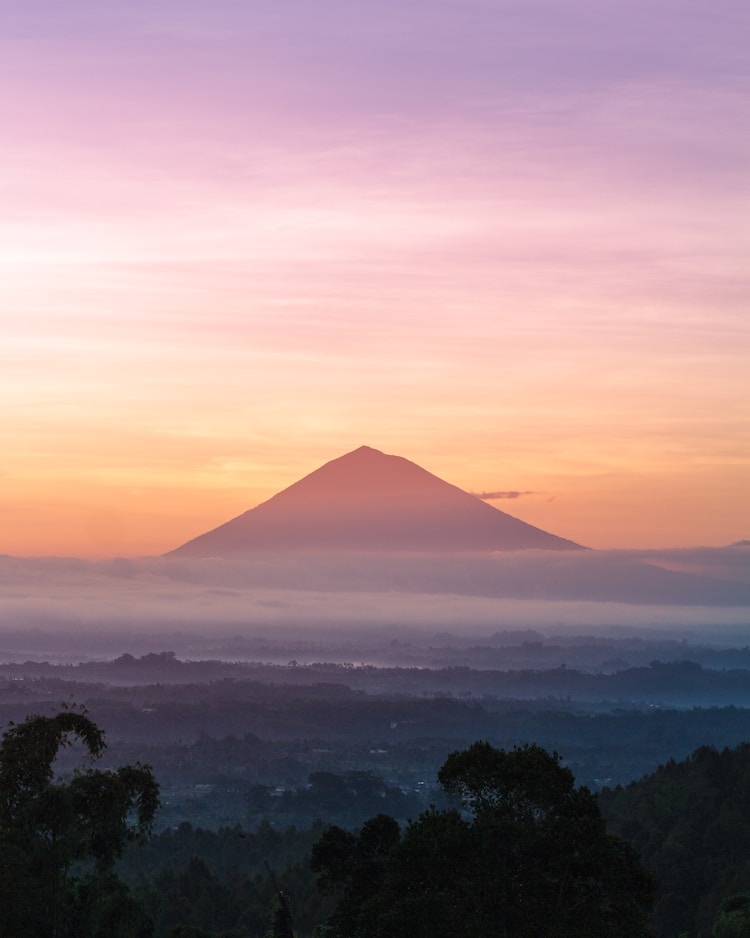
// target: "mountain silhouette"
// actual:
[[369, 501]]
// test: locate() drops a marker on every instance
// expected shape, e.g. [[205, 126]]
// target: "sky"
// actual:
[[506, 239]]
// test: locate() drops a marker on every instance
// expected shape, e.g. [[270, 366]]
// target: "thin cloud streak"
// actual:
[[492, 496]]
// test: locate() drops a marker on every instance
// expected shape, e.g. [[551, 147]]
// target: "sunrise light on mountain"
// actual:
[[506, 241]]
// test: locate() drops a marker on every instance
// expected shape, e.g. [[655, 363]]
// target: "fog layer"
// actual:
[[701, 591]]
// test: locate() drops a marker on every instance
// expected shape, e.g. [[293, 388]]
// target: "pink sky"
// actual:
[[507, 240]]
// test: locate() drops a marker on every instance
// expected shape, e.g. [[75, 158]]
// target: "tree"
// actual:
[[734, 918], [432, 882], [353, 868], [559, 871], [280, 918], [690, 822], [524, 853], [59, 838]]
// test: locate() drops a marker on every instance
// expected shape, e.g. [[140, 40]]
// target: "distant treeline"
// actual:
[[672, 683], [226, 735]]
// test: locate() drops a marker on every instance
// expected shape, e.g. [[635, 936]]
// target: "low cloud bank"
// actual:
[[558, 591]]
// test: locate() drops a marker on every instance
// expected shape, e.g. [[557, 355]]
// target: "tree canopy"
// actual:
[[690, 822], [59, 838], [523, 853]]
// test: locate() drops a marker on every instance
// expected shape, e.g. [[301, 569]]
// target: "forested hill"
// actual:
[[690, 823]]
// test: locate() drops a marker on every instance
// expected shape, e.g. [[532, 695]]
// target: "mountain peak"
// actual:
[[364, 449], [367, 500]]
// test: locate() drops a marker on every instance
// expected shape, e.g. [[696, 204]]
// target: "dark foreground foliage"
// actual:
[[690, 823], [59, 839], [520, 852], [525, 853], [226, 881]]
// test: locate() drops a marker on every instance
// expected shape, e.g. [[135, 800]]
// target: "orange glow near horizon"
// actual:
[[234, 246]]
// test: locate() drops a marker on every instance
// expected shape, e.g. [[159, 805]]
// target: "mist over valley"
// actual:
[[275, 688]]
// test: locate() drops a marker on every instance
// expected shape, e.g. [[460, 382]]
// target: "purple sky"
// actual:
[[507, 240]]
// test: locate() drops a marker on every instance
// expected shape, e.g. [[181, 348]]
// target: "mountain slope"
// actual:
[[369, 501]]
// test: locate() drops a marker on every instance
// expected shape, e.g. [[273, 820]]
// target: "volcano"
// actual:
[[369, 501]]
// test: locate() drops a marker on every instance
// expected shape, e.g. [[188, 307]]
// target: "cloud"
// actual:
[[65, 607], [491, 496]]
